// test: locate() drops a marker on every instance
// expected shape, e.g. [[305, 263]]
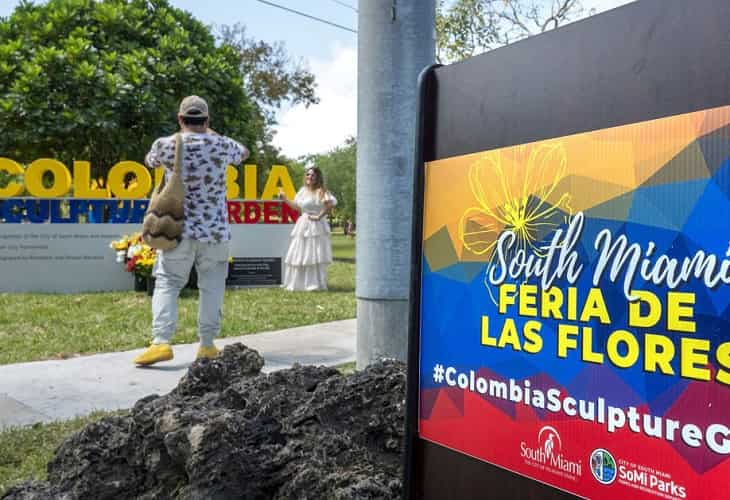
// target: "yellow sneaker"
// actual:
[[154, 354], [207, 352]]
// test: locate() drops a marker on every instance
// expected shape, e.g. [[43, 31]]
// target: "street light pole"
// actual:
[[396, 40]]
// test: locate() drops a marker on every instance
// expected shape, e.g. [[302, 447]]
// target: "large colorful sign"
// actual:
[[55, 226], [120, 198], [575, 308]]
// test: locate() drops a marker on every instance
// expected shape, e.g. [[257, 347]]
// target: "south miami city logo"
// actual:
[[548, 454]]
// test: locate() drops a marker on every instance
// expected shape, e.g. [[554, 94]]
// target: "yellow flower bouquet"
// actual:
[[135, 254], [142, 260], [122, 246]]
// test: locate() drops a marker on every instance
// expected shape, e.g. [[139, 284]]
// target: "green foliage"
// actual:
[[338, 168], [466, 28], [347, 368], [99, 80], [296, 170], [272, 79], [269, 73], [6, 178]]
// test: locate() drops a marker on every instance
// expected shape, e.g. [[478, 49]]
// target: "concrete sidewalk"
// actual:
[[44, 391]]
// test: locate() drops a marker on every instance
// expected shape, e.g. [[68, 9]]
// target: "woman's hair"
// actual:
[[319, 183]]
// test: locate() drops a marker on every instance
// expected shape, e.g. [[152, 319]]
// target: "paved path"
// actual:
[[44, 391]]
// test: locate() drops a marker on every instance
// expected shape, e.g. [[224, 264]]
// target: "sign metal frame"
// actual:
[[646, 60]]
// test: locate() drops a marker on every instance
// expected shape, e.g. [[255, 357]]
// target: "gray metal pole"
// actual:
[[396, 40]]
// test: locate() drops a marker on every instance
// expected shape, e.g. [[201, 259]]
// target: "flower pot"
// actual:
[[150, 285], [140, 283]]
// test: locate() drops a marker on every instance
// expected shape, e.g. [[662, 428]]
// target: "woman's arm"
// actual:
[[290, 203], [329, 204]]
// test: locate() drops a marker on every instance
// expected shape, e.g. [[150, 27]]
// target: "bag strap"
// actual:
[[177, 165]]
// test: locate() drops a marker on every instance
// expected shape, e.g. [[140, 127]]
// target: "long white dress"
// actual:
[[310, 250]]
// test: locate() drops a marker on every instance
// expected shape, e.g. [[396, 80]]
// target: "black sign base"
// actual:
[[254, 271], [471, 478]]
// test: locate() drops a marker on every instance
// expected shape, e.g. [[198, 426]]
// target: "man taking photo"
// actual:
[[206, 234]]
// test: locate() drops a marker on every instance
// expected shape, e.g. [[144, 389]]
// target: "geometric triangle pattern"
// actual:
[[533, 256]]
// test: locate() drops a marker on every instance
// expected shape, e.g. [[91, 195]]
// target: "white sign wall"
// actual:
[[72, 258]]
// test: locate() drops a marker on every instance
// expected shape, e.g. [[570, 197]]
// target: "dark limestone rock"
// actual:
[[235, 363], [100, 458], [34, 490], [227, 431]]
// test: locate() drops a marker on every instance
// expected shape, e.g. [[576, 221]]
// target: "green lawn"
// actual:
[[343, 247], [49, 326]]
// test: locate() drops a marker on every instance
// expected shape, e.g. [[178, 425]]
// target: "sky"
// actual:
[[329, 52]]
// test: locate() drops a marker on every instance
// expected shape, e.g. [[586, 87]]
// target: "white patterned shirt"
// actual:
[[205, 159]]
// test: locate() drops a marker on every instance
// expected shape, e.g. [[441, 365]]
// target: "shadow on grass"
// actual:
[[185, 293], [189, 293], [346, 260]]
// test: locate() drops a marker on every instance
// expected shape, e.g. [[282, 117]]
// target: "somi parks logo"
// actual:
[[548, 454], [603, 466]]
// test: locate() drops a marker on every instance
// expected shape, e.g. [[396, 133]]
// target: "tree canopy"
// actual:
[[99, 80], [466, 28], [269, 73], [272, 78]]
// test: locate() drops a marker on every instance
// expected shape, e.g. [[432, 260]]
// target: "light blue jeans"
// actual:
[[171, 272]]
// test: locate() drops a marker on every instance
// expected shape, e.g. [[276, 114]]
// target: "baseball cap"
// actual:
[[194, 107]]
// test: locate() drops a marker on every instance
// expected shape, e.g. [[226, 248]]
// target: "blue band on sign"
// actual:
[[12, 211], [40, 211], [140, 207], [37, 211]]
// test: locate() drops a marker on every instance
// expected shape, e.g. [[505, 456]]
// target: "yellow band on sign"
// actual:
[[82, 183], [120, 171], [63, 180]]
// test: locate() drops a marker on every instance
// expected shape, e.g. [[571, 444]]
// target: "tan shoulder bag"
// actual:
[[164, 220]]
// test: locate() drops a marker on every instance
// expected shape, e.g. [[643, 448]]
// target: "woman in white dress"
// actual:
[[310, 250]]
